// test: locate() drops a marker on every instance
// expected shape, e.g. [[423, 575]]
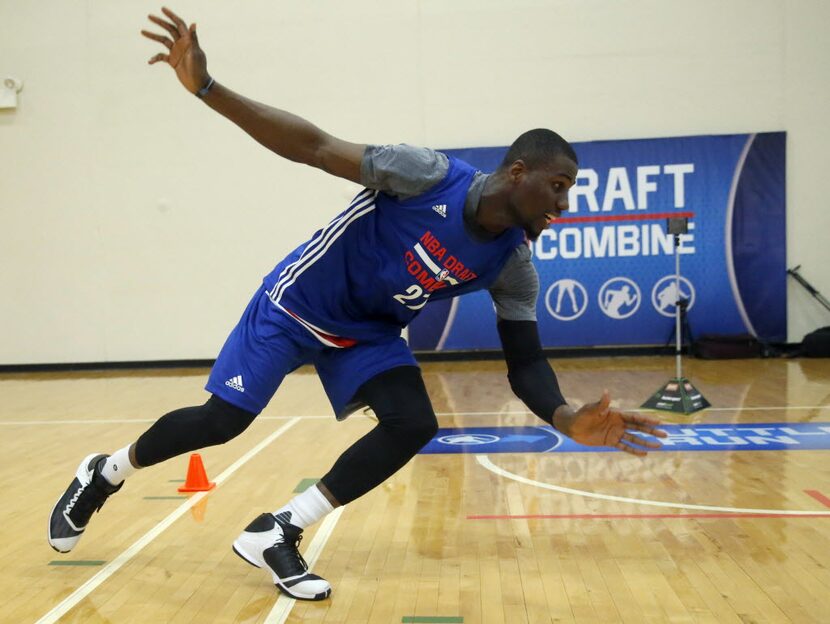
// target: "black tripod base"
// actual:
[[677, 395]]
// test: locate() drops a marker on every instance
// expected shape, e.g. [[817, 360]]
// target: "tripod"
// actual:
[[685, 326], [678, 394]]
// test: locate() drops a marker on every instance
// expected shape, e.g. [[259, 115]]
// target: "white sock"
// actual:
[[305, 509], [118, 467]]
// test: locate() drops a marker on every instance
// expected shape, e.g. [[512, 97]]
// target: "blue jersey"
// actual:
[[369, 272]]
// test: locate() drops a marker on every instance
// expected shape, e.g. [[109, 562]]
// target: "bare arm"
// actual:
[[283, 133], [288, 135]]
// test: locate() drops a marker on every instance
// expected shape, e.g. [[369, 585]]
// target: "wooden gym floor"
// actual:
[[416, 548]]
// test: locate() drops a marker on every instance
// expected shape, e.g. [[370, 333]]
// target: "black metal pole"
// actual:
[[810, 289]]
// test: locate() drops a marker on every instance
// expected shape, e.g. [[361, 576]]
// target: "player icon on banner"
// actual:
[[664, 294], [566, 299], [619, 298]]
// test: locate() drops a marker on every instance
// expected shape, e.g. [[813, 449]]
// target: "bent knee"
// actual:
[[222, 421], [418, 428], [427, 429]]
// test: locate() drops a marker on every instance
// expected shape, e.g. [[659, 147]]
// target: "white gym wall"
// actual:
[[135, 223]]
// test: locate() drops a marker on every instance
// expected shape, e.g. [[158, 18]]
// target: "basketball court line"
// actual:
[[120, 421], [818, 496], [284, 604], [667, 516], [116, 564], [488, 465]]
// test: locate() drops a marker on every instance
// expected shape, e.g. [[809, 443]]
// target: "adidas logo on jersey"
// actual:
[[441, 209], [235, 383]]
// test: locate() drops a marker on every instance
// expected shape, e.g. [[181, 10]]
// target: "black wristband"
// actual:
[[204, 90]]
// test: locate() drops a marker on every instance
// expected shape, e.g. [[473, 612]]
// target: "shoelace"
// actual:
[[91, 499], [294, 551]]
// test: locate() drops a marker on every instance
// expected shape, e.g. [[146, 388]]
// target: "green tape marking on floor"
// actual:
[[433, 619], [304, 485], [76, 563], [176, 481], [164, 497]]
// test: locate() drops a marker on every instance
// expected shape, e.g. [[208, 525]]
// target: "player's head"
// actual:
[[538, 147], [541, 166]]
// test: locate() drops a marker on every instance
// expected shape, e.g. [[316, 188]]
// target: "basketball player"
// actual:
[[425, 227]]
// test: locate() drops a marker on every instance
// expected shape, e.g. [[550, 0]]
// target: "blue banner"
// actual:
[[697, 437], [607, 265]]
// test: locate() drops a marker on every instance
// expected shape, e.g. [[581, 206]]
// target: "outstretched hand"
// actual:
[[598, 424], [183, 52]]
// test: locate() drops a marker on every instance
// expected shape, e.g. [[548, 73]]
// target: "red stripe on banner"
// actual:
[[654, 216], [819, 497], [648, 516]]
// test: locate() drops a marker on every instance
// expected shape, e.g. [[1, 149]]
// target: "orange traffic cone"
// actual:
[[196, 480]]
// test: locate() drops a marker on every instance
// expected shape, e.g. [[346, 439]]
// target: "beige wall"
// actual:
[[135, 223]]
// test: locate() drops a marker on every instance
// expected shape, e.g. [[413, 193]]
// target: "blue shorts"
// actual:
[[267, 344]]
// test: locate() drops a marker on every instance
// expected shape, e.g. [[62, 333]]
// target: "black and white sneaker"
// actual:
[[86, 494], [273, 542]]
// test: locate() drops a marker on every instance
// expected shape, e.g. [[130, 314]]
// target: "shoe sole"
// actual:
[[85, 462], [240, 552], [53, 547], [322, 596]]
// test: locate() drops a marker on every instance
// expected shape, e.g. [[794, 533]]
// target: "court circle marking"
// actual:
[[486, 463]]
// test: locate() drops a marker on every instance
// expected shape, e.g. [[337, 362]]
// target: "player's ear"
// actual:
[[516, 171]]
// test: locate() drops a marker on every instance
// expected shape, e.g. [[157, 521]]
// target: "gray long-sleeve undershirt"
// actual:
[[406, 171]]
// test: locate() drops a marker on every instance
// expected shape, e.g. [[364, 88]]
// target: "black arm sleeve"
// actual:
[[530, 375]]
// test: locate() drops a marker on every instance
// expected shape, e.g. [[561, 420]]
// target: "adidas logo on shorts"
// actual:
[[235, 383]]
